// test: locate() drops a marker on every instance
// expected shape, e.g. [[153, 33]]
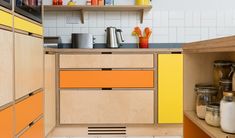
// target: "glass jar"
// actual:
[[222, 70], [227, 110], [225, 85], [213, 114], [205, 95]]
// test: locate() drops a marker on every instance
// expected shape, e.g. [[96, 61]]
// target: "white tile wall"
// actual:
[[169, 26]]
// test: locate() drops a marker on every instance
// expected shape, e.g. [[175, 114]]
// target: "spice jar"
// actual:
[[227, 109], [225, 85], [213, 114], [205, 94], [222, 69]]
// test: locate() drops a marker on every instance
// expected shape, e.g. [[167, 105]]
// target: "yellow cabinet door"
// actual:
[[170, 88]]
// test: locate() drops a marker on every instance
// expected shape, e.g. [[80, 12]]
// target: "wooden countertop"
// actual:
[[120, 50], [224, 44], [213, 132]]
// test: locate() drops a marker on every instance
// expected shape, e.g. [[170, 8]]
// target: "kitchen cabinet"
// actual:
[[6, 67], [6, 123], [27, 26], [106, 107], [34, 131], [28, 110], [28, 64], [106, 61], [50, 93], [107, 79], [6, 19], [170, 88], [199, 58]]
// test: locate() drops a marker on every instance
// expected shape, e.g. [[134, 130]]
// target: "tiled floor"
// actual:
[[124, 137]]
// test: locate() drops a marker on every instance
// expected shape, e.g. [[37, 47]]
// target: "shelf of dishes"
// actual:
[[215, 103]]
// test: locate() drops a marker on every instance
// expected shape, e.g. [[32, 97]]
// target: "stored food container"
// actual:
[[227, 109], [213, 114], [206, 94]]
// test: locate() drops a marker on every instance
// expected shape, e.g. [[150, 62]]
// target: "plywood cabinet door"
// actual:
[[170, 88], [28, 64], [6, 67], [6, 123], [106, 107], [50, 96]]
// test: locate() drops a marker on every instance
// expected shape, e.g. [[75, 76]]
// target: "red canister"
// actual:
[[94, 2]]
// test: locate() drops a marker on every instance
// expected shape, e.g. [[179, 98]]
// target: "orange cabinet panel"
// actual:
[[107, 79], [193, 131], [6, 123], [36, 131], [28, 110]]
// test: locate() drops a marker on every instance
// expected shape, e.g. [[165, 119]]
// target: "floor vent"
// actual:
[[106, 130]]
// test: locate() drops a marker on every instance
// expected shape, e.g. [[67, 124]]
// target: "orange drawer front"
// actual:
[[107, 79], [28, 110], [6, 123], [36, 131]]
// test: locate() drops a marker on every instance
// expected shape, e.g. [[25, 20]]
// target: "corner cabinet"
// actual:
[[170, 88]]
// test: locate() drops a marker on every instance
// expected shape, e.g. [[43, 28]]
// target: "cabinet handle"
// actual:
[[107, 89]]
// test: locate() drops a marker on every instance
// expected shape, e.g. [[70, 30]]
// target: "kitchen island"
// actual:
[[120, 92]]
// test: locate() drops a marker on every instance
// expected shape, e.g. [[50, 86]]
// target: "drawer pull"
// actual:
[[106, 53], [104, 69], [105, 89]]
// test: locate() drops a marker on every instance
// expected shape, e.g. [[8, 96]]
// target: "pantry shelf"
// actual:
[[83, 8], [213, 132]]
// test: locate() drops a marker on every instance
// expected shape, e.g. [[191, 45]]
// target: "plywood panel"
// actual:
[[106, 61], [28, 64], [50, 93], [170, 88], [107, 79], [28, 110], [106, 107], [6, 67]]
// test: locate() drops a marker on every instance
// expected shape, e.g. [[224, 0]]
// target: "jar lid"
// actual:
[[230, 94], [222, 63], [213, 107], [225, 81], [206, 90]]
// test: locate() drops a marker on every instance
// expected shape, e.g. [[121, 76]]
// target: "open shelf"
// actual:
[[83, 8], [213, 132]]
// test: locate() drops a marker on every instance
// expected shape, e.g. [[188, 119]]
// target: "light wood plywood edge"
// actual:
[[224, 44], [120, 50], [213, 132], [50, 93]]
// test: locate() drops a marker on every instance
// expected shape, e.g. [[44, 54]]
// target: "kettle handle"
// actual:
[[120, 31]]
